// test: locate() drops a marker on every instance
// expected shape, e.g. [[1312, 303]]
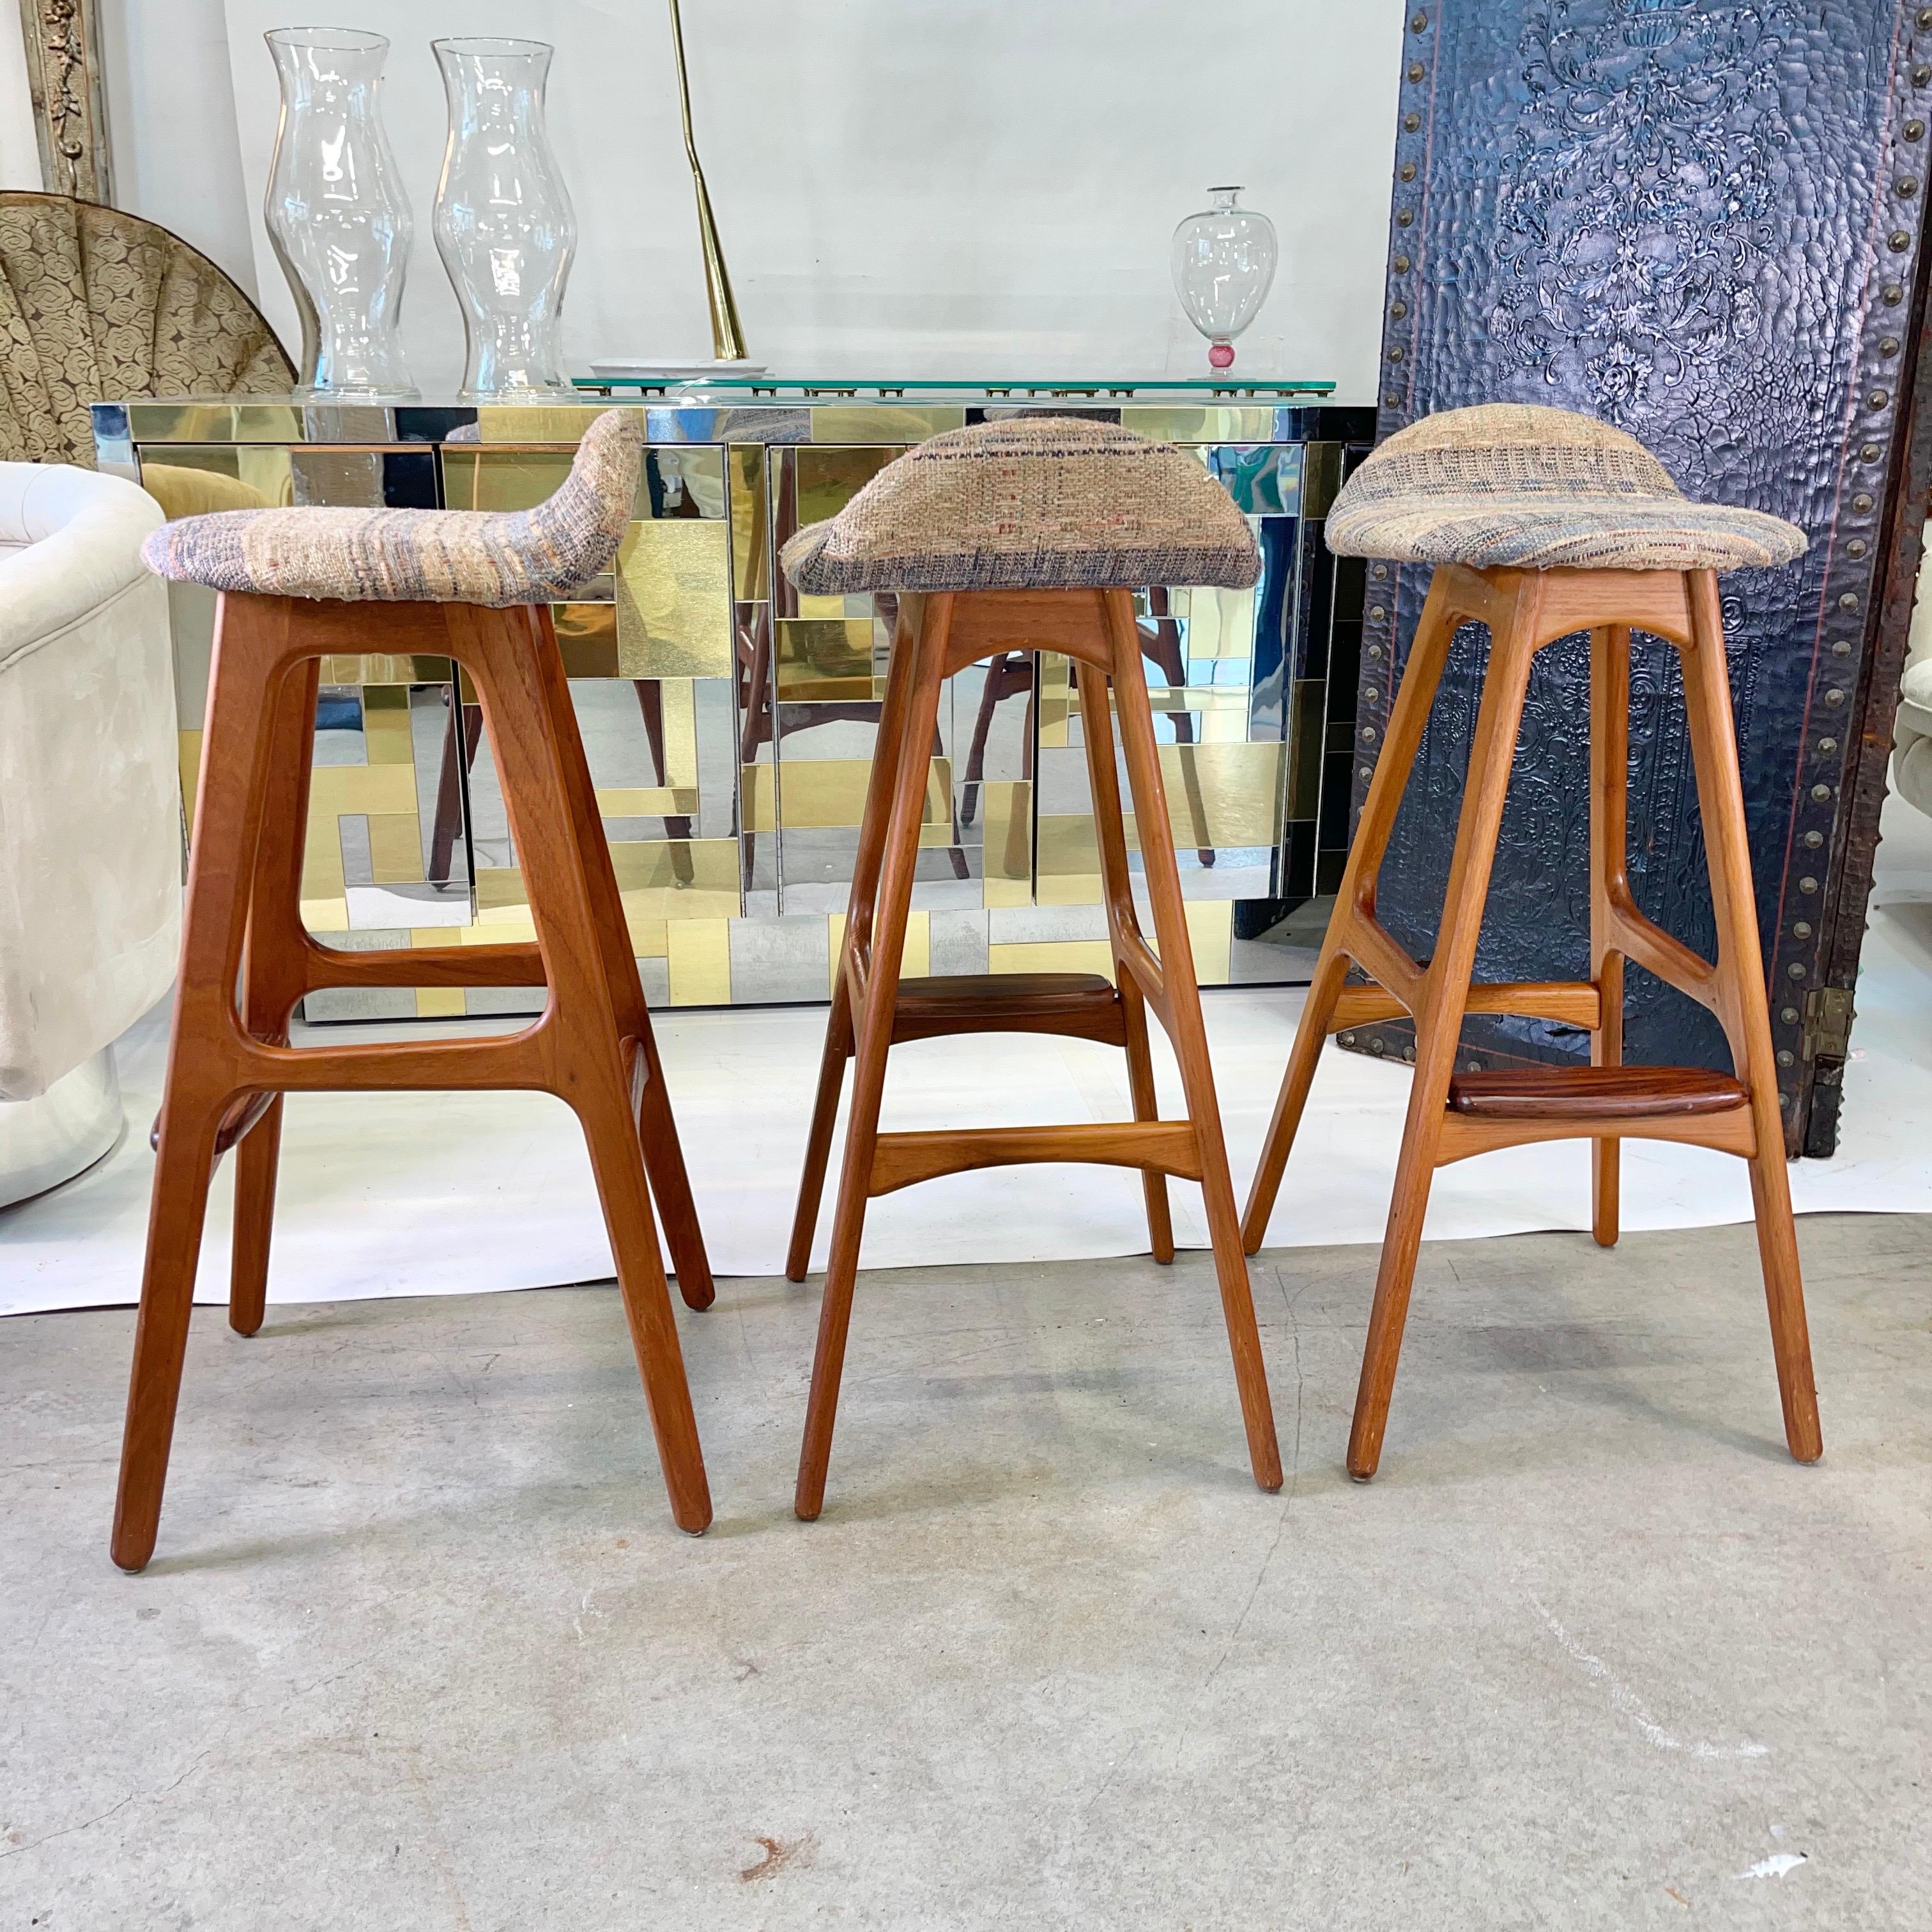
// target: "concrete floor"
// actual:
[[420, 1648]]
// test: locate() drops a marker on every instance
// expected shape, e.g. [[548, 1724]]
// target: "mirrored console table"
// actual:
[[730, 722]]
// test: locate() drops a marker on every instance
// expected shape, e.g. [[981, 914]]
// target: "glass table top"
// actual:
[[890, 387]]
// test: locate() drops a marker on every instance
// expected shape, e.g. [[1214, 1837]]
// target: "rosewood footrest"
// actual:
[[1594, 1095], [1084, 1005]]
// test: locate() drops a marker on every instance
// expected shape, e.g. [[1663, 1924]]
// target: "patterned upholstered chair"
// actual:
[[1032, 532], [298, 586], [1539, 523], [97, 304]]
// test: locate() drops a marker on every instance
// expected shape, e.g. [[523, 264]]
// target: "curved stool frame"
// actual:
[[1451, 1117], [937, 634], [230, 1063]]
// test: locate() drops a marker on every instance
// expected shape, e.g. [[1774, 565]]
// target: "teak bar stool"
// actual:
[[1541, 524], [1021, 534], [296, 587]]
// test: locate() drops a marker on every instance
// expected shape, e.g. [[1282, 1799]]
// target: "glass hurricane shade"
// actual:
[[503, 222], [1224, 263], [336, 213]]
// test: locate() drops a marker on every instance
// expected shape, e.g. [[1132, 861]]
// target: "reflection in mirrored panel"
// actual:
[[730, 725]]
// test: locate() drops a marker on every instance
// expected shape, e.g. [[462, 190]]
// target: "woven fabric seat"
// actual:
[[1516, 486], [456, 556], [1037, 503]]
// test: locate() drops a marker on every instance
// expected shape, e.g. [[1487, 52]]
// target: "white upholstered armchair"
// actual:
[[1911, 730], [90, 823]]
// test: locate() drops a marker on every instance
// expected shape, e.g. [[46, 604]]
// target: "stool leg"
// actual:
[[1438, 1025], [1117, 892], [656, 1127], [271, 979], [1610, 887], [1409, 716], [257, 1164], [670, 1181], [824, 1117], [1188, 1032], [242, 680], [1140, 1083], [922, 668], [889, 752], [533, 743], [1707, 695]]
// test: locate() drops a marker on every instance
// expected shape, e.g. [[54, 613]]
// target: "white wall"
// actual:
[[923, 186], [19, 150], [171, 123]]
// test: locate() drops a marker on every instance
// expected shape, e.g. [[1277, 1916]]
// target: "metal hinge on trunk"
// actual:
[[1828, 1024]]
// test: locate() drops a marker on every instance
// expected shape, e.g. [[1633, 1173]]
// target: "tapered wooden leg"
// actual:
[[883, 927], [890, 753], [245, 672], [1438, 1025], [818, 1140], [465, 732], [1610, 841], [995, 686], [183, 1166], [670, 1182], [610, 1130], [655, 1126], [1311, 1035], [1117, 893], [1140, 1084], [1188, 1032], [1408, 718], [1707, 695], [271, 978], [566, 870], [257, 1161]]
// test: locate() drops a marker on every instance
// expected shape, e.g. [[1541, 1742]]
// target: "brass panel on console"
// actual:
[[827, 480], [750, 501], [587, 636], [541, 422], [196, 479], [501, 479], [674, 613], [826, 659], [214, 422], [885, 422], [1223, 795]]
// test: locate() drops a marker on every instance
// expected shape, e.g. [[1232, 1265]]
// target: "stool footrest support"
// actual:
[[1576, 1003], [1082, 1005], [1155, 1146]]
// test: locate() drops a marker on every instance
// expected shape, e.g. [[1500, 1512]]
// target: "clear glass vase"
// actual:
[[503, 222], [336, 212], [1224, 263]]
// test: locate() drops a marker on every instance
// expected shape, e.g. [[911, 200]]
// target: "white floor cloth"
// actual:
[[445, 1194]]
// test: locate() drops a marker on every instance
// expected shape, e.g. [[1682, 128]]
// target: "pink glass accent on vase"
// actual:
[[1221, 355]]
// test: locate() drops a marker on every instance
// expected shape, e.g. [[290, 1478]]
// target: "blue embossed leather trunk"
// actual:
[[1700, 222]]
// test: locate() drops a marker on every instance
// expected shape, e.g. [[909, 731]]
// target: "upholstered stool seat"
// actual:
[[1515, 486], [1030, 504], [1024, 535], [494, 558], [298, 586], [1540, 524]]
